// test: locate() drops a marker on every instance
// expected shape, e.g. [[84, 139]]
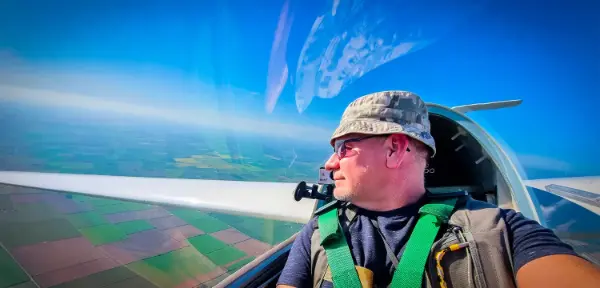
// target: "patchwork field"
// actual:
[[52, 239]]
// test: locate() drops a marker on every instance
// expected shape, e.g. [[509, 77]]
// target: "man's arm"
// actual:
[[559, 270], [296, 272], [543, 260]]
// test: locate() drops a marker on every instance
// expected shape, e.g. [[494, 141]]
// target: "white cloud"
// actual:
[[278, 69], [141, 83], [344, 45], [146, 92], [191, 116], [336, 3]]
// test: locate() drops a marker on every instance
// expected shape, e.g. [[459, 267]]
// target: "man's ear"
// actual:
[[396, 150]]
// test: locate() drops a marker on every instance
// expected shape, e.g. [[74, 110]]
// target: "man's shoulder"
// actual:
[[478, 208], [312, 225], [477, 215], [471, 205]]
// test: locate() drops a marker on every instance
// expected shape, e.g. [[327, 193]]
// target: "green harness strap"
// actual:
[[409, 273], [412, 264], [338, 254]]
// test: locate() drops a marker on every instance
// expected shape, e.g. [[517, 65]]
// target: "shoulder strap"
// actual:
[[327, 207], [343, 272], [412, 264], [409, 272]]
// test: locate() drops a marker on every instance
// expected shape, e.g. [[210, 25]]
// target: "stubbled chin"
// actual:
[[341, 194]]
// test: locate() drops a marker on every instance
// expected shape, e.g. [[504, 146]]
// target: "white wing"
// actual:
[[487, 106], [259, 199], [584, 191]]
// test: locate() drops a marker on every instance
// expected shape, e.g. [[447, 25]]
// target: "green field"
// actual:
[[52, 239]]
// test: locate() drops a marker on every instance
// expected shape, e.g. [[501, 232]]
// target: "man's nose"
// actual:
[[333, 163]]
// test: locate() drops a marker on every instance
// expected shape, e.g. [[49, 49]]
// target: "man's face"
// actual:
[[358, 165]]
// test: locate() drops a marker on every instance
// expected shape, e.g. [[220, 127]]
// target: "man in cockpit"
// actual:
[[386, 229]]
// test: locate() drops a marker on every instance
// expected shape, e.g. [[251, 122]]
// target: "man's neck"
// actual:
[[396, 198]]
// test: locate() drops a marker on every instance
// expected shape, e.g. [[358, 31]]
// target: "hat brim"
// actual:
[[376, 127]]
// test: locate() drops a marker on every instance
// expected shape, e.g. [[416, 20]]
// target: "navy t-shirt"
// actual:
[[530, 241]]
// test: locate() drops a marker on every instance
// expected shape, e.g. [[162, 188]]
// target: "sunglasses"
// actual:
[[340, 148]]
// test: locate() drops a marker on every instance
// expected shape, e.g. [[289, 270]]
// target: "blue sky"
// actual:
[[219, 58]]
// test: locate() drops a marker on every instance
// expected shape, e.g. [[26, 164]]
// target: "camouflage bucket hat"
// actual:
[[387, 112]]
